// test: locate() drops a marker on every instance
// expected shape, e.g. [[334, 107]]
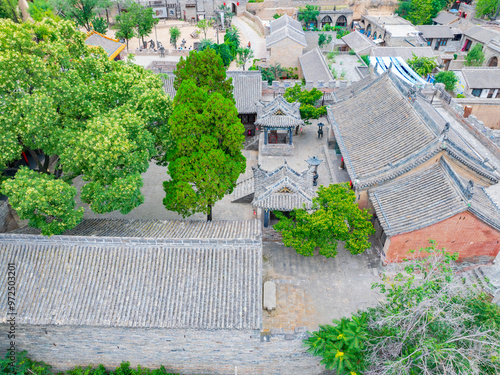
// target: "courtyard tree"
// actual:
[[175, 33], [144, 20], [74, 113], [422, 65], [207, 70], [449, 79], [309, 14], [244, 55], [125, 26], [9, 9], [81, 11], [475, 57], [308, 100], [203, 25], [488, 8], [232, 39], [324, 39], [205, 160], [420, 12], [430, 322], [335, 217]]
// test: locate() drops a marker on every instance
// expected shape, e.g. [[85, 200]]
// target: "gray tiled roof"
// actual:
[[279, 114], [171, 229], [247, 90], [97, 40], [482, 34], [428, 196], [285, 20], [435, 31], [482, 78], [389, 135], [134, 282], [314, 66], [445, 18], [404, 52], [269, 187], [353, 89], [286, 32], [358, 42]]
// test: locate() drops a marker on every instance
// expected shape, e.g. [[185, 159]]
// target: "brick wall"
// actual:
[[287, 53], [474, 240], [183, 351]]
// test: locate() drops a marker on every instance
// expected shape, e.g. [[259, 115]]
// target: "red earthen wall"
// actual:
[[474, 240]]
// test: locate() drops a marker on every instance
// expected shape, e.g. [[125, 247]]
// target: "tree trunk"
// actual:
[[209, 214]]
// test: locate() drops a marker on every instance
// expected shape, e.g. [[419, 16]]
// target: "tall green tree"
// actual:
[[75, 113], [449, 79], [100, 25], [232, 39], [175, 33], [324, 39], [144, 20], [488, 8], [81, 11], [206, 158], [9, 9], [203, 25], [420, 12], [244, 55], [309, 14], [308, 100], [40, 9], [206, 68], [430, 322], [475, 57], [422, 65], [335, 217], [125, 26]]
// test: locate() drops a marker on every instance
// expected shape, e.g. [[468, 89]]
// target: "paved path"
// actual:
[[249, 34]]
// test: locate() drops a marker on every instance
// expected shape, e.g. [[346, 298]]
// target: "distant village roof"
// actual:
[[279, 114], [286, 32], [178, 282], [283, 189], [314, 66], [404, 52], [247, 89], [353, 89], [113, 47], [358, 42], [435, 31], [482, 34], [285, 20], [445, 18], [482, 78], [391, 135], [428, 196], [386, 20]]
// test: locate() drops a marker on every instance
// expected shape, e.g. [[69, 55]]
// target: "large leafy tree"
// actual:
[[81, 11], [475, 57], [335, 217], [430, 323], [175, 34], [422, 65], [75, 113], [308, 100], [309, 14], [449, 79], [125, 26], [9, 10], [420, 12], [489, 8], [205, 159], [144, 20], [40, 9], [244, 55], [232, 39]]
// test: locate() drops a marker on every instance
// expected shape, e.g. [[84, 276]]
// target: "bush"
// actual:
[[351, 52], [460, 96], [475, 57], [422, 65], [366, 59], [448, 78]]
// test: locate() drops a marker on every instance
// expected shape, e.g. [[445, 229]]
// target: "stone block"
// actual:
[[269, 295]]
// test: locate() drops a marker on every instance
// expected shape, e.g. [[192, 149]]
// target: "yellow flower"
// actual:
[[339, 354], [353, 373], [341, 336]]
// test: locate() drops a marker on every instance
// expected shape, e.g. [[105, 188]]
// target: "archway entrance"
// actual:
[[368, 30], [341, 21], [234, 9], [374, 35], [327, 20], [493, 61]]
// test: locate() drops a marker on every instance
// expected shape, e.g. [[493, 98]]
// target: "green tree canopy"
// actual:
[[144, 20], [324, 39], [489, 8], [449, 79], [206, 158], [40, 9], [335, 217], [206, 68], [232, 39], [81, 11], [475, 57], [308, 14], [244, 55], [125, 26], [430, 323], [100, 25], [203, 25], [9, 9], [175, 33], [76, 114], [308, 100], [422, 65], [420, 12]]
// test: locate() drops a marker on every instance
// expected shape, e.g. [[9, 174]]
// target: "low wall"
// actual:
[[256, 20], [182, 351]]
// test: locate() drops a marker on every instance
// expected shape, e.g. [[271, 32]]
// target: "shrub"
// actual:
[[351, 52], [366, 59], [475, 57], [448, 78]]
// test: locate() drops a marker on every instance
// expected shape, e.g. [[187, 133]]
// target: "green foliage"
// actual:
[[206, 159], [335, 217], [228, 15], [352, 52], [341, 31], [204, 44], [47, 203], [224, 51], [80, 11], [422, 65], [125, 26], [9, 10], [175, 33], [449, 79], [98, 119], [475, 57], [366, 59], [324, 39], [23, 365], [206, 68], [460, 96], [40, 9], [420, 12], [244, 55], [328, 27], [308, 100], [144, 19], [203, 25], [489, 8], [309, 14], [100, 25], [429, 323], [276, 16], [232, 39]]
